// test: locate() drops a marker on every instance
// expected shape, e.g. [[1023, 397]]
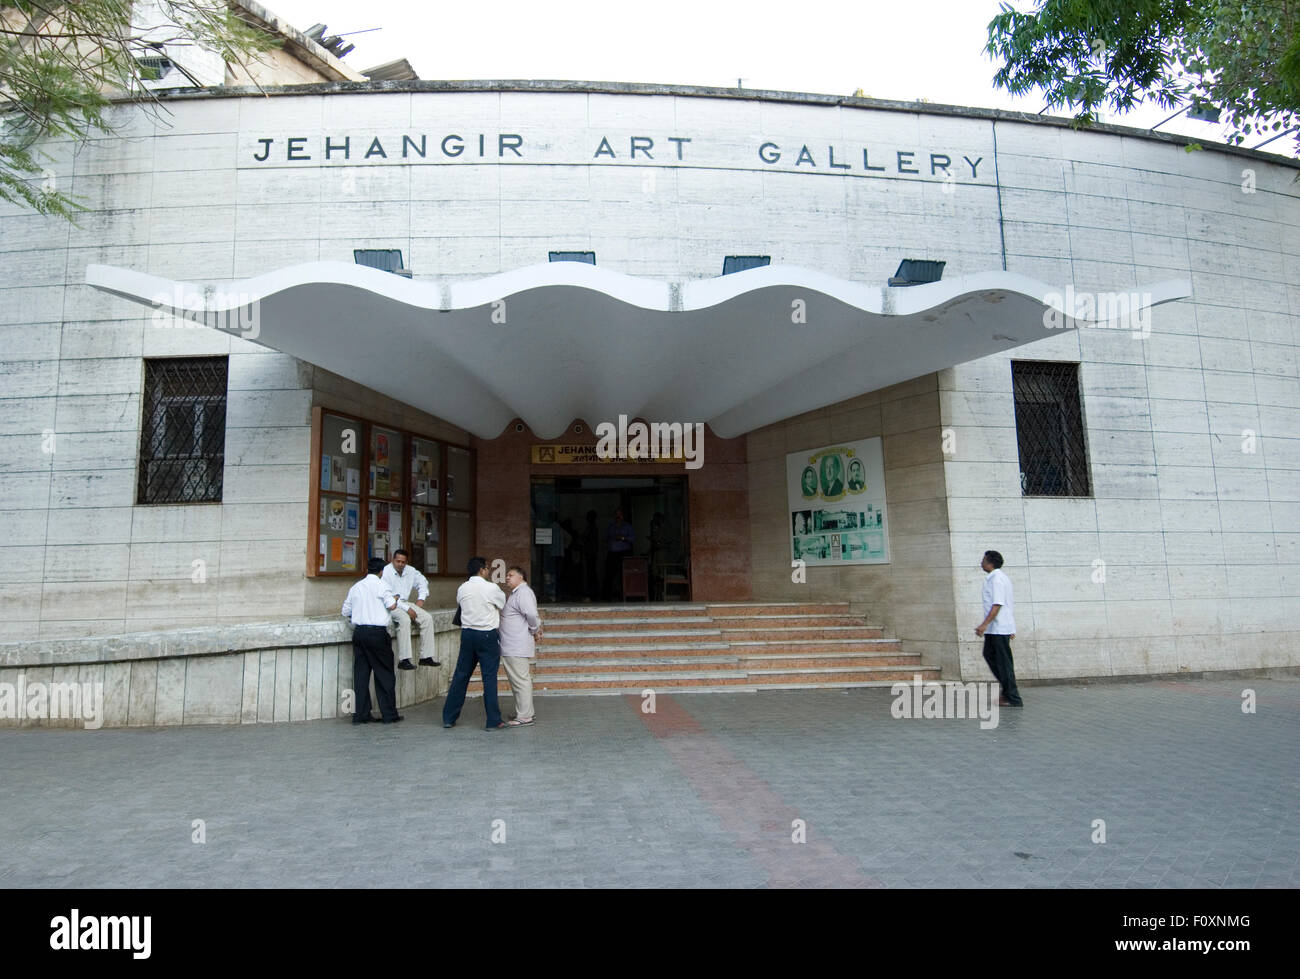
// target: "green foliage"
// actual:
[[1243, 57], [63, 64]]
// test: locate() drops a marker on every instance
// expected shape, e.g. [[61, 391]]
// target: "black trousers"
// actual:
[[997, 653], [372, 652], [614, 575]]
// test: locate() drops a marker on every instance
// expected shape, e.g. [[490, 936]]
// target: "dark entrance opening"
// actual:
[[571, 556]]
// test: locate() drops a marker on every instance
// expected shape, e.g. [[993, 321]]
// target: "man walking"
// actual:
[[999, 628], [481, 602], [367, 607], [401, 578]]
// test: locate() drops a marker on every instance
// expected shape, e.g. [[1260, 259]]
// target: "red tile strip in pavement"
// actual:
[[748, 808]]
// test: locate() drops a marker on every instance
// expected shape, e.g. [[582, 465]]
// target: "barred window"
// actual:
[[1049, 429], [183, 431]]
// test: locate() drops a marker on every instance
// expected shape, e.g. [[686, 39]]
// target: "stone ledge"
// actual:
[[194, 641], [1247, 673]]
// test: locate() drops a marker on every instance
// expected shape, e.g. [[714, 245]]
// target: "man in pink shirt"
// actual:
[[520, 628]]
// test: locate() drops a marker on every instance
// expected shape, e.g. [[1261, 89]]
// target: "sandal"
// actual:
[[518, 723]]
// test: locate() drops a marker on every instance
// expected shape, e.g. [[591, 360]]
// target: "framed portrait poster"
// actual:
[[836, 497]]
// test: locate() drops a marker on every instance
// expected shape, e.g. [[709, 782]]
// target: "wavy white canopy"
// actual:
[[563, 341]]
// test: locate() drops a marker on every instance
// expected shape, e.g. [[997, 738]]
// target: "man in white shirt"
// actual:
[[367, 607], [999, 627], [401, 578], [481, 602]]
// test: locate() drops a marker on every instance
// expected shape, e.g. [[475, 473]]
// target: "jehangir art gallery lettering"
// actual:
[[799, 156]]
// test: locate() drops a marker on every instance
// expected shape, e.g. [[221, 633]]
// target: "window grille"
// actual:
[[153, 68], [183, 431], [1049, 429]]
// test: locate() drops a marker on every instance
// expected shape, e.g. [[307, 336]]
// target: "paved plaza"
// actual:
[[710, 790]]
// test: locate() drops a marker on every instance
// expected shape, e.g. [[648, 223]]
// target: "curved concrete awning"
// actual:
[[556, 342]]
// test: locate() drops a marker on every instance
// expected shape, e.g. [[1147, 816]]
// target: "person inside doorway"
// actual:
[[658, 552], [555, 552], [571, 572], [590, 554], [658, 539], [619, 538]]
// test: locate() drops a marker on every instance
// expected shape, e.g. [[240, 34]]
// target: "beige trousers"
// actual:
[[402, 627], [519, 671]]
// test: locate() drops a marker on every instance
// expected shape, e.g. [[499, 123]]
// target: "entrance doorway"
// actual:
[[571, 518]]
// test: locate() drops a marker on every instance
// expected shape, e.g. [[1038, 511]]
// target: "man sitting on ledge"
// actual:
[[401, 578]]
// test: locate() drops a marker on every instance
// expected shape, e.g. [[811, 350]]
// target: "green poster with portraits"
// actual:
[[837, 504]]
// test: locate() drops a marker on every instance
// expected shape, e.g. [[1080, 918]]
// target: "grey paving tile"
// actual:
[[1192, 795]]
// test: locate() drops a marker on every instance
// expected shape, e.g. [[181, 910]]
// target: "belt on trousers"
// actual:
[[382, 628]]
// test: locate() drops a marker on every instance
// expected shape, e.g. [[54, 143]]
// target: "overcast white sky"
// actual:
[[891, 49]]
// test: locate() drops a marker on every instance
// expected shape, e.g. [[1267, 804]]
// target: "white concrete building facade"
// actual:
[[1180, 551]]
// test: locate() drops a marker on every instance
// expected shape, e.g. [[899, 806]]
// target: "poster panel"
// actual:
[[836, 497]]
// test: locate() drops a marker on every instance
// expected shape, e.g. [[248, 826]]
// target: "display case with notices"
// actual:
[[376, 489], [336, 500]]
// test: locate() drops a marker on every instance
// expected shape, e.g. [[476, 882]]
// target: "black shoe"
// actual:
[[446, 725], [500, 727], [429, 661], [362, 719], [406, 664], [394, 720]]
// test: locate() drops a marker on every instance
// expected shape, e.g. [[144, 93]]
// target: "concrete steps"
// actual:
[[690, 679], [569, 634], [731, 647]]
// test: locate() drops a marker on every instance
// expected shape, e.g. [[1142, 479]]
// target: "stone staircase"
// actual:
[[602, 649]]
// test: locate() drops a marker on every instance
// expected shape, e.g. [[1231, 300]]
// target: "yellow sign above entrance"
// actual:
[[564, 454]]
